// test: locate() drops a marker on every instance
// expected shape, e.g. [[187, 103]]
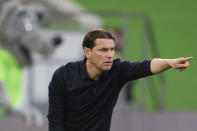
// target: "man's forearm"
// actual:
[[160, 65]]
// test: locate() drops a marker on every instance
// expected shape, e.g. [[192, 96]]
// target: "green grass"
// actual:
[[174, 25]]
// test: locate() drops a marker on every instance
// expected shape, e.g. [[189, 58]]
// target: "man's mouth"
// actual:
[[108, 63]]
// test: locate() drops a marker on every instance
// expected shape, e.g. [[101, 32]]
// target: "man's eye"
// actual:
[[103, 49]]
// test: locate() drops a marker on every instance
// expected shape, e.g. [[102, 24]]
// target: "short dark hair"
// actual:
[[91, 36]]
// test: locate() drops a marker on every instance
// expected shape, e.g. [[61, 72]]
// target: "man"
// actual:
[[82, 94]]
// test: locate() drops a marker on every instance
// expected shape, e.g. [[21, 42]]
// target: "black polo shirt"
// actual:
[[79, 103]]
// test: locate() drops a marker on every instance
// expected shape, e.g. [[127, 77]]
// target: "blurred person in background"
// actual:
[[82, 94]]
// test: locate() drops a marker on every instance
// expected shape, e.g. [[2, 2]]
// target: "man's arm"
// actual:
[[56, 103], [160, 65]]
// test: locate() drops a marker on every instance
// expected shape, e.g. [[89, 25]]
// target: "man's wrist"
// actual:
[[169, 63]]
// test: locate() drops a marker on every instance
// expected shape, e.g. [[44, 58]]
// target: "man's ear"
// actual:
[[87, 52]]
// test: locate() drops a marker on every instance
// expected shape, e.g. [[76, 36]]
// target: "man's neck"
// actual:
[[93, 72]]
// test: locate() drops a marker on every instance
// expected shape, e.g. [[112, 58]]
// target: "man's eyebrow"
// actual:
[[103, 48], [107, 48]]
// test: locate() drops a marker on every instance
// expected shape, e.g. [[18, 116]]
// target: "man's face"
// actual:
[[102, 54]]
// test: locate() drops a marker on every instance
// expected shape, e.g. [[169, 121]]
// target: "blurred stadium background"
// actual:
[[174, 28], [148, 29]]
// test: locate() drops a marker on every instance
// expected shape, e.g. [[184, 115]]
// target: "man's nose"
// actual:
[[110, 54]]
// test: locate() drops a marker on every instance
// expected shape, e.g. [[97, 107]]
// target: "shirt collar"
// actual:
[[84, 73], [83, 70]]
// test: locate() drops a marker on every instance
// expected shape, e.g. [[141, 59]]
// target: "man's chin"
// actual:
[[107, 68]]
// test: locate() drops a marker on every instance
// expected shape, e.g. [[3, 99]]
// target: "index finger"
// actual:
[[188, 58]]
